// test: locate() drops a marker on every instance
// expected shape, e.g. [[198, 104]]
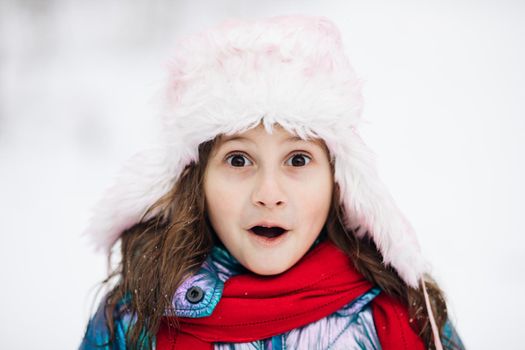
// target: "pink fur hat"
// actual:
[[286, 70]]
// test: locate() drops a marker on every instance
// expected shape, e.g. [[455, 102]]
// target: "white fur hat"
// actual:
[[286, 70]]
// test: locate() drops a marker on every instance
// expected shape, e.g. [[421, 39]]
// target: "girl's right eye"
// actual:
[[238, 160]]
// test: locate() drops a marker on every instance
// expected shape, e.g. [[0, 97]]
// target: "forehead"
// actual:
[[259, 133]]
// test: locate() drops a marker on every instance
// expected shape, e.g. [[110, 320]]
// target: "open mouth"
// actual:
[[268, 232]]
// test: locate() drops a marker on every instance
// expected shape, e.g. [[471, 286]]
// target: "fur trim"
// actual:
[[286, 70]]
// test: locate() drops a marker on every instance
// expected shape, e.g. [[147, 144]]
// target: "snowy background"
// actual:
[[444, 97]]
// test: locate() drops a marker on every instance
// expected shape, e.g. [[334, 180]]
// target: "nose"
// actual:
[[267, 191]]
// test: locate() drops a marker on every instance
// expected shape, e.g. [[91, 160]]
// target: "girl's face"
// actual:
[[260, 179]]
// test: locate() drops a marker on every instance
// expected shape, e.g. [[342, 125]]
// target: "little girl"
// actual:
[[260, 222]]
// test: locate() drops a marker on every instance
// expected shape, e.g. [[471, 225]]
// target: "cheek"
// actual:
[[221, 202], [315, 199], [316, 203]]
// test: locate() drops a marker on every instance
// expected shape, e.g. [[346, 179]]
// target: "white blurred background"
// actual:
[[444, 94]]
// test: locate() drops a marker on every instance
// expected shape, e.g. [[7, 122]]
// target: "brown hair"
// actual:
[[159, 253]]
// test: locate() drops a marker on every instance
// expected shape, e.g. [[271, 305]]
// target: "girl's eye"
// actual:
[[238, 160], [299, 159]]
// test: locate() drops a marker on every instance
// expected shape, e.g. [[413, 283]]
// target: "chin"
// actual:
[[268, 270]]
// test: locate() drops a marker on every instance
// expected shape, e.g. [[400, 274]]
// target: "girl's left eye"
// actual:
[[299, 159]]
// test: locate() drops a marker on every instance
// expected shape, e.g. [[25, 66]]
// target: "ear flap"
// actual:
[[369, 205], [141, 181]]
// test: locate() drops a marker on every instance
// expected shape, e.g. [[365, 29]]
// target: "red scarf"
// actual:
[[254, 307]]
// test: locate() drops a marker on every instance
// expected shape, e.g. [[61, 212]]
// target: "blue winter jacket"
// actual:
[[351, 327]]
